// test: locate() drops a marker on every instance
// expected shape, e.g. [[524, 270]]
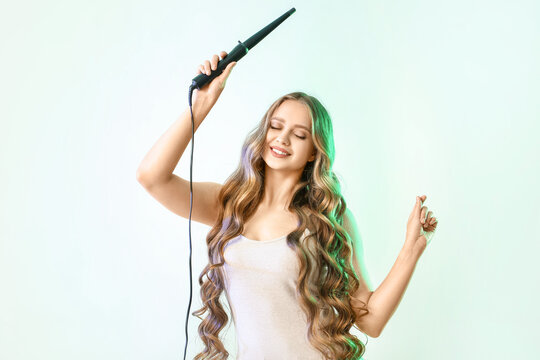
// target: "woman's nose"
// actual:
[[283, 140]]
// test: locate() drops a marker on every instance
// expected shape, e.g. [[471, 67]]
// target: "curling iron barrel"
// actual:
[[239, 51]]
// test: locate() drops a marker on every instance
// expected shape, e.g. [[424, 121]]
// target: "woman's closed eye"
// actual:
[[298, 136]]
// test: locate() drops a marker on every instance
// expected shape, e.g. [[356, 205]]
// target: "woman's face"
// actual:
[[289, 130]]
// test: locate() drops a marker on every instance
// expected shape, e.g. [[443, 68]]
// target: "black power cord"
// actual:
[[191, 88]]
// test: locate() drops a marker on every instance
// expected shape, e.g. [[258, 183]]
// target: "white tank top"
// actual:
[[260, 286]]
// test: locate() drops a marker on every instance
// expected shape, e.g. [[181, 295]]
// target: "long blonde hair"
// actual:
[[318, 202]]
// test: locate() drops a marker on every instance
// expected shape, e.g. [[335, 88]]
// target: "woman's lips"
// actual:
[[276, 154]]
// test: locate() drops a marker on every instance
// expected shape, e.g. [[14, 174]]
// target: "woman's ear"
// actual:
[[312, 156]]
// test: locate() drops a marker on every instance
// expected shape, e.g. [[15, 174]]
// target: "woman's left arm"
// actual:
[[383, 302]]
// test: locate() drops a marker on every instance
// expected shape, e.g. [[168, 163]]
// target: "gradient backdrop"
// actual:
[[427, 97]]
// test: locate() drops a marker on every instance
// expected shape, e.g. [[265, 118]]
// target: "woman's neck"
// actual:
[[279, 188]]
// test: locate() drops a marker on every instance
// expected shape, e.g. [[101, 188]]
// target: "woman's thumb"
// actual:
[[228, 69]]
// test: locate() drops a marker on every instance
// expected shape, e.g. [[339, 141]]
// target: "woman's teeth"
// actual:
[[279, 152]]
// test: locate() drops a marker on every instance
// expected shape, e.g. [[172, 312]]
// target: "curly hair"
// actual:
[[327, 277]]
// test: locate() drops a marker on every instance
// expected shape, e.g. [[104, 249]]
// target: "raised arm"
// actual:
[[383, 302], [155, 172]]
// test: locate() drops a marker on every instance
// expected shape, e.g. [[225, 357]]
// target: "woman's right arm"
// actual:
[[155, 173]]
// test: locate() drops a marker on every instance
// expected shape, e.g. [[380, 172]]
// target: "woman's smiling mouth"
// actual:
[[278, 153]]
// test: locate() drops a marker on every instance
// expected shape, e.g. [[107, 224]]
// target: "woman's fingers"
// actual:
[[215, 60], [428, 221], [430, 224], [423, 210], [207, 67]]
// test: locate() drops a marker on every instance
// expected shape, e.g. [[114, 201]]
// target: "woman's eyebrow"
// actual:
[[298, 125]]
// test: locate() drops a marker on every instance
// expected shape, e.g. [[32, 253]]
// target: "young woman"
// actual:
[[283, 247]]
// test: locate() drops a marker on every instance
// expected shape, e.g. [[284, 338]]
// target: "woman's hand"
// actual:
[[420, 228], [210, 92]]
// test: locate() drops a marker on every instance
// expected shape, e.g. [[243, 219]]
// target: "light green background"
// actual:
[[427, 97]]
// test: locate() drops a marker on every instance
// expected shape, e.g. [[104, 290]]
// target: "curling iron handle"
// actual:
[[236, 54]]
